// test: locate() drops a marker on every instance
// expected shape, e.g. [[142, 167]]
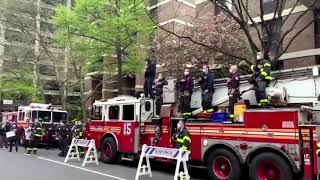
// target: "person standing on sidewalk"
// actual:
[[27, 135], [13, 139], [183, 141], [61, 134], [36, 135], [3, 136], [50, 132]]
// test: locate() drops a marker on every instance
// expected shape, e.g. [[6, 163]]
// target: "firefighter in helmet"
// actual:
[[260, 79], [36, 135]]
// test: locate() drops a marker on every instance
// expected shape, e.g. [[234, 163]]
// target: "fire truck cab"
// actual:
[[116, 125]]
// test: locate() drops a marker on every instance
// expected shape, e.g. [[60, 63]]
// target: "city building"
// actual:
[[26, 32]]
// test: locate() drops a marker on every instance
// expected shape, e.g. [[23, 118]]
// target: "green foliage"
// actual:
[[93, 28], [18, 85]]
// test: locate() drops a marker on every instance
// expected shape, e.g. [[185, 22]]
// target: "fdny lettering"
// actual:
[[164, 152]]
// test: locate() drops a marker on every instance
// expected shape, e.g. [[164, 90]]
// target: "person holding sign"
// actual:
[[12, 137]]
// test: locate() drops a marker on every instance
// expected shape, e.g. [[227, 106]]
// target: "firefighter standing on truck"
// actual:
[[36, 135], [185, 89], [183, 141], [261, 79], [233, 90], [158, 92], [207, 87]]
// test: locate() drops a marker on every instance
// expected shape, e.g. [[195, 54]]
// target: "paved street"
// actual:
[[46, 165]]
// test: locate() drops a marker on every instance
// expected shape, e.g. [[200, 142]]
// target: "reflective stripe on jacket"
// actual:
[[183, 140]]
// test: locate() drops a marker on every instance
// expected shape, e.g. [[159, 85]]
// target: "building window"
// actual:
[[317, 32], [317, 27], [128, 112], [271, 36], [114, 112], [222, 3], [47, 70], [97, 113], [147, 106], [153, 2], [51, 85], [270, 6], [54, 2]]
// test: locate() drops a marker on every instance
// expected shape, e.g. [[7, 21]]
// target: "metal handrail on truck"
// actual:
[[311, 123]]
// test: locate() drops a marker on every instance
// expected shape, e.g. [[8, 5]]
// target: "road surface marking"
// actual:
[[84, 169]]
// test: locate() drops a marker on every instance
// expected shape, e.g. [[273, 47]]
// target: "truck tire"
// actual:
[[108, 150], [223, 165], [269, 166]]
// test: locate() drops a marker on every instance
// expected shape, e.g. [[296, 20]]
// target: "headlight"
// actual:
[[205, 142]]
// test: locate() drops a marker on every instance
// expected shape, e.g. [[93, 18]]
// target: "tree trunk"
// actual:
[[83, 103], [119, 63]]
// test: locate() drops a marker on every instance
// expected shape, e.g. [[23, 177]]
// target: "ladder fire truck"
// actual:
[[270, 144]]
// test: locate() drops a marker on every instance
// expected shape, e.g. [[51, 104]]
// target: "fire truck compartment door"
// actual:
[[129, 138], [146, 110]]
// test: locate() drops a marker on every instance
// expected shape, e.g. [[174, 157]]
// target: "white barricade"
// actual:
[[91, 155], [169, 153]]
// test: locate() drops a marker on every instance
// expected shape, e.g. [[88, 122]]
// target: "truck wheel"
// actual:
[[108, 150], [223, 165], [269, 166]]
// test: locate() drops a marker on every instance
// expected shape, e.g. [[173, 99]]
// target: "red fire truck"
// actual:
[[45, 112], [270, 144]]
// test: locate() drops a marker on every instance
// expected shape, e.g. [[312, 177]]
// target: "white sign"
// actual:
[[8, 102], [10, 134], [169, 153], [91, 155], [82, 142], [169, 92]]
